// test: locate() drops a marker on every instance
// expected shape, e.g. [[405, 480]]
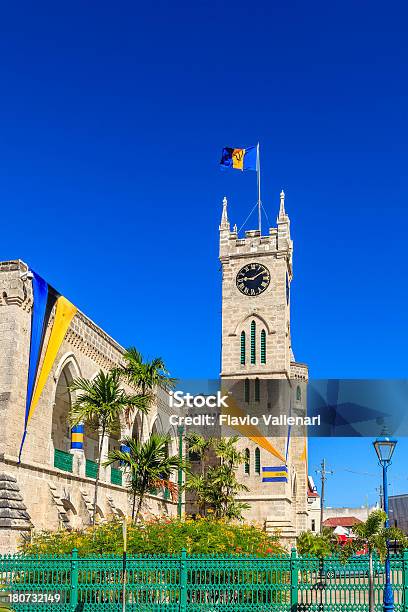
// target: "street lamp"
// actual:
[[384, 447]]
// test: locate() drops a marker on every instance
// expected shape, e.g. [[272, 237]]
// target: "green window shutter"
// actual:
[[247, 460], [247, 390], [253, 344], [257, 390], [243, 348], [298, 394], [263, 346], [257, 461]]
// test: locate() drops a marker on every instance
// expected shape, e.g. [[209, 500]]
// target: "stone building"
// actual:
[[52, 486], [256, 348]]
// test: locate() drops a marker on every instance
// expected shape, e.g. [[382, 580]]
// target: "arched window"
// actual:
[[298, 394], [243, 348], [61, 432], [257, 461], [263, 346], [246, 390], [247, 461], [137, 428], [253, 343], [257, 390]]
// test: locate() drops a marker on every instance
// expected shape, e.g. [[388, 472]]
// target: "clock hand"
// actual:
[[254, 277]]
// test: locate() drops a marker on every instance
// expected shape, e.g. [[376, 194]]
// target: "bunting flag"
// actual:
[[303, 456], [239, 159], [44, 300], [250, 431], [275, 474]]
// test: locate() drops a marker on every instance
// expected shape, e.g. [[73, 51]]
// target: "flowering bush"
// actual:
[[159, 536]]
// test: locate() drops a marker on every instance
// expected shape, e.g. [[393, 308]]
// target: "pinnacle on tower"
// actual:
[[224, 217], [282, 212]]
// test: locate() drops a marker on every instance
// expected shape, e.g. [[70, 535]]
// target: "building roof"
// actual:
[[311, 488], [341, 521]]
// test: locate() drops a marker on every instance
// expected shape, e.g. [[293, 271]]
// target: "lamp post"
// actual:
[[384, 447], [180, 431]]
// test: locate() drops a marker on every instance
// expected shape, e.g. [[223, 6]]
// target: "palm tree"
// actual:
[[99, 403], [149, 467], [145, 375], [373, 535], [219, 486], [199, 447]]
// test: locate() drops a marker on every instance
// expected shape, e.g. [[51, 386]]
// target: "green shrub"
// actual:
[[158, 536]]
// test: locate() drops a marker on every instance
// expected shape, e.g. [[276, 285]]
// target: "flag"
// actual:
[[239, 159], [275, 474], [44, 300]]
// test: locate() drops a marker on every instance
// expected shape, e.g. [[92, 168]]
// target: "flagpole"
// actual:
[[258, 173]]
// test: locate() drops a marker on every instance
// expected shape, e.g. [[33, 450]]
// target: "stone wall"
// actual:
[[54, 497]]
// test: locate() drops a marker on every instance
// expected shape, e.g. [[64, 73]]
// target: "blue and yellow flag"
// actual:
[[275, 474], [45, 298], [239, 159]]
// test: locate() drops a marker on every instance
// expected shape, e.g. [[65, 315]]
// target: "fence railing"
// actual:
[[91, 468], [197, 583], [116, 476], [62, 460]]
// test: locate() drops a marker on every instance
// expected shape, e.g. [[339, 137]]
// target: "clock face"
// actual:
[[253, 279]]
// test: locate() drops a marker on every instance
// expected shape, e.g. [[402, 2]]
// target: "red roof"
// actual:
[[312, 493], [341, 521]]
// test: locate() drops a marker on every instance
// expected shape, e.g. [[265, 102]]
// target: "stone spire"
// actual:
[[282, 212], [225, 225], [283, 223]]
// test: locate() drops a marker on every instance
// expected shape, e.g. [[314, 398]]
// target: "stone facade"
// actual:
[[48, 496], [277, 505]]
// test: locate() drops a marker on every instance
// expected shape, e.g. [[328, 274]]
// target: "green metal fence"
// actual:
[[62, 460], [197, 583], [91, 468], [116, 476]]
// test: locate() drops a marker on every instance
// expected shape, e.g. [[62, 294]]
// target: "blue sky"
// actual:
[[112, 120]]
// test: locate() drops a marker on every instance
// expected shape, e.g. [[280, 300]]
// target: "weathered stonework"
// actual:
[[277, 505], [54, 497]]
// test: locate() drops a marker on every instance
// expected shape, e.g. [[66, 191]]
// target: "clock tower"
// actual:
[[256, 346]]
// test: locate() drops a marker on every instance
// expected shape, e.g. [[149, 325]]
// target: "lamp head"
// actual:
[[384, 447]]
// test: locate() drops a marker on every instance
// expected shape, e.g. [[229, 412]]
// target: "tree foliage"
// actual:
[[158, 536], [317, 544], [100, 403], [147, 466], [217, 488]]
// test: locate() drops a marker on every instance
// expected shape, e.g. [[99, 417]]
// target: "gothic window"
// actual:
[[243, 348], [257, 390], [137, 428], [298, 394], [61, 433], [253, 344], [246, 390], [247, 461], [257, 461], [263, 346]]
